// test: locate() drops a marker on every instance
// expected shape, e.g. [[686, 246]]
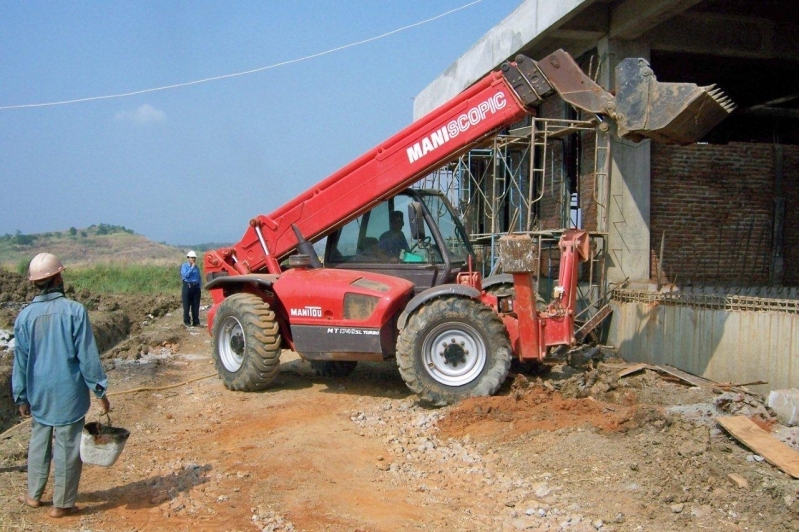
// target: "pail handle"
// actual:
[[99, 424]]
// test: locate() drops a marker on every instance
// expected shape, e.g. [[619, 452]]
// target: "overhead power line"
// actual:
[[244, 73]]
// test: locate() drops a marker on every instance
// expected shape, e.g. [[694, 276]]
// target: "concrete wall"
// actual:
[[722, 345]]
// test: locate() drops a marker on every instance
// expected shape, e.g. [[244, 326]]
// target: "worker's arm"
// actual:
[[19, 378], [105, 405], [88, 357], [184, 271]]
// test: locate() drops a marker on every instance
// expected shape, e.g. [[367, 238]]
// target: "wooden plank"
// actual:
[[632, 369], [593, 323], [687, 377], [773, 450]]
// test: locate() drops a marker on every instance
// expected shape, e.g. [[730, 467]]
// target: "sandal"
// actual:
[[30, 503], [57, 513]]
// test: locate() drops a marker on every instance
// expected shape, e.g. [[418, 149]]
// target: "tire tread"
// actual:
[[262, 356]]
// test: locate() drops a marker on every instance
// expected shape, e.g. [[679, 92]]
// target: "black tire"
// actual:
[[447, 333], [246, 343], [506, 289], [333, 368]]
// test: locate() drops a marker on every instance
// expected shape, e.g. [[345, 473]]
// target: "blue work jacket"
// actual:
[[56, 362]]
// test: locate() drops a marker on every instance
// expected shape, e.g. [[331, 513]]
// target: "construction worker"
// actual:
[[191, 290], [56, 366]]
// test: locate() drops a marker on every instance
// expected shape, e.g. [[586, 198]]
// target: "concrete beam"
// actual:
[[727, 35], [632, 18], [528, 23], [578, 35]]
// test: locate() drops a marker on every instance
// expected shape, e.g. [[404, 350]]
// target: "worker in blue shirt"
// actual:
[[56, 367], [190, 274]]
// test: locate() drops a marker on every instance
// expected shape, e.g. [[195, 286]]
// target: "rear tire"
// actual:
[[506, 289], [246, 343], [333, 368], [453, 348]]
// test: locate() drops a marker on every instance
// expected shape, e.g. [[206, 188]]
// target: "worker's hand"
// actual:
[[105, 405], [25, 410]]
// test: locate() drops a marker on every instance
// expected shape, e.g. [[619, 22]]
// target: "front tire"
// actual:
[[246, 343], [453, 348]]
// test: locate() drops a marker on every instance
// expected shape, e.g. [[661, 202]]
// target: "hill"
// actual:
[[93, 245]]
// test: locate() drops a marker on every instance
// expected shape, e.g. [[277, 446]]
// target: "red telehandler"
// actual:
[[450, 331]]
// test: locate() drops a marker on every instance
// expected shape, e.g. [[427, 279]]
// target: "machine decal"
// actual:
[[314, 340], [351, 330], [307, 312], [470, 118]]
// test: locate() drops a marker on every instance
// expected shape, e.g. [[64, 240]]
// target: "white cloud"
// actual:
[[145, 114]]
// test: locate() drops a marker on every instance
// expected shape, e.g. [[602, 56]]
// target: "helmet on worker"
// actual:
[[44, 266], [191, 255]]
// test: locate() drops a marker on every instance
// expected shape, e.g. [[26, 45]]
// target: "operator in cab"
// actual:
[[393, 242]]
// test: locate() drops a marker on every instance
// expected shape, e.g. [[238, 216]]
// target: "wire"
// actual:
[[159, 388], [244, 73], [122, 392]]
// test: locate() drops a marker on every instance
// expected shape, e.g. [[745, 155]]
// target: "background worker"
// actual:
[[56, 365], [191, 290]]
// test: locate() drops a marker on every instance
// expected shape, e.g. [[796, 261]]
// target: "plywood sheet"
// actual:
[[773, 450]]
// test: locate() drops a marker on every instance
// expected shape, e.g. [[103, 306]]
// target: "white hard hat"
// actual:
[[191, 254], [44, 266]]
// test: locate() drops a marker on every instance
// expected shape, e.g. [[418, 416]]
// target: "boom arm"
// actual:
[[499, 100]]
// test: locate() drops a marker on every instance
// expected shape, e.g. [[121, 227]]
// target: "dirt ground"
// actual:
[[564, 449]]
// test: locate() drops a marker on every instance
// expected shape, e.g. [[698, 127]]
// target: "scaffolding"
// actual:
[[500, 186]]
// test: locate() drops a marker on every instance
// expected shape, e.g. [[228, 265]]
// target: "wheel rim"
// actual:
[[231, 343], [454, 354]]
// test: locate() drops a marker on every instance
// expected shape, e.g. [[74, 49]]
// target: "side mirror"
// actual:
[[416, 220]]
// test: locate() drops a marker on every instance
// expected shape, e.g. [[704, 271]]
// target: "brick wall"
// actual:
[[551, 206], [715, 205], [790, 191]]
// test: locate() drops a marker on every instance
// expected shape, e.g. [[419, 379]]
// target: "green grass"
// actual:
[[126, 279]]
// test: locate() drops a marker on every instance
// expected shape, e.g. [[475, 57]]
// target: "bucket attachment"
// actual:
[[643, 108], [671, 113]]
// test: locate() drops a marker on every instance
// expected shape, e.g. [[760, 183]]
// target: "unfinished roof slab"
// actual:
[[543, 26], [527, 22]]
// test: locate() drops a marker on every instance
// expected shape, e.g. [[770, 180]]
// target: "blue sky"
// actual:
[[193, 164]]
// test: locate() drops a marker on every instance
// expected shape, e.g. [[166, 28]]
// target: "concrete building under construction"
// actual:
[[695, 248]]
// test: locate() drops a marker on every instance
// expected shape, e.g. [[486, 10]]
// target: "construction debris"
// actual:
[[693, 380], [785, 404]]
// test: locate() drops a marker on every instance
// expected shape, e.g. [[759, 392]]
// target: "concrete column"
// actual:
[[628, 250]]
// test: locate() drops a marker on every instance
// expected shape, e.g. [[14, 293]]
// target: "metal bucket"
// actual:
[[643, 108], [102, 444], [671, 113]]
